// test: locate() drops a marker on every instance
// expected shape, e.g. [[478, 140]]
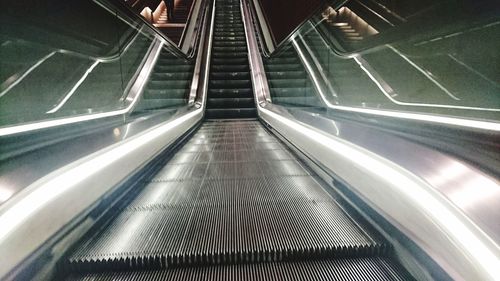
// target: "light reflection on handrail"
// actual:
[[470, 123], [137, 89], [85, 75], [73, 90], [366, 68], [424, 72], [474, 243], [33, 67]]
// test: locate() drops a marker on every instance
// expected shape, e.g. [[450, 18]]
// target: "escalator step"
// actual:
[[229, 84], [230, 195], [223, 113], [230, 75], [230, 68], [228, 93], [340, 269], [225, 102], [229, 55], [229, 49]]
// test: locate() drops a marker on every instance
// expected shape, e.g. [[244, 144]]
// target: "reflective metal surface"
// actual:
[[18, 172], [259, 80], [421, 191], [73, 179], [28, 218], [402, 196], [55, 83]]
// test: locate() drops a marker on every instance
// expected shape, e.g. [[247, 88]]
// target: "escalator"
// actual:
[[207, 172], [233, 202], [230, 88]]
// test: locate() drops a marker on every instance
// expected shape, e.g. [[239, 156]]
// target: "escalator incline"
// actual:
[[233, 201], [230, 92]]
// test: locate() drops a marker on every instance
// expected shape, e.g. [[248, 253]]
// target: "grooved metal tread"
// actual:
[[337, 269], [231, 194]]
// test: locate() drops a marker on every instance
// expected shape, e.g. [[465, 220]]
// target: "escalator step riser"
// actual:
[[229, 84], [269, 229], [230, 92], [230, 75], [229, 44], [230, 68], [230, 113], [230, 102], [365, 269], [230, 61]]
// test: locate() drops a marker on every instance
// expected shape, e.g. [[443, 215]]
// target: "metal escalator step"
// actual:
[[229, 49], [162, 236], [227, 68], [229, 33], [229, 43], [226, 198], [230, 102], [230, 93], [229, 54], [167, 194], [366, 269], [229, 38], [228, 29], [230, 61], [223, 113], [230, 75], [230, 84]]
